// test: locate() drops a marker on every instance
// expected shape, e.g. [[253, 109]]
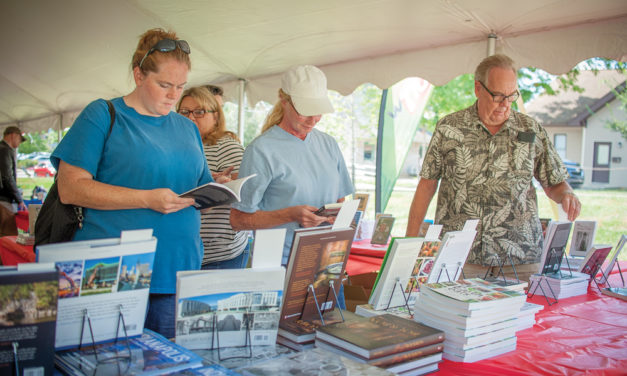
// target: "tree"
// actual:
[[619, 126]]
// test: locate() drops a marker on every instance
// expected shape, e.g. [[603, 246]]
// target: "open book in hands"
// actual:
[[216, 194]]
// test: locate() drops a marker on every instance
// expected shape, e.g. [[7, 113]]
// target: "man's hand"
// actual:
[[571, 205], [304, 215], [21, 206]]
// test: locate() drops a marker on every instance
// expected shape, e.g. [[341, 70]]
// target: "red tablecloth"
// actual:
[[580, 335], [13, 253], [21, 220]]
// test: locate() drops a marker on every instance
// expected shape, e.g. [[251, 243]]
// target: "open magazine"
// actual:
[[216, 194]]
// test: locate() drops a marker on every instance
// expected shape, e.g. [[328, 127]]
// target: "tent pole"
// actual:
[[491, 44], [240, 109], [60, 129]]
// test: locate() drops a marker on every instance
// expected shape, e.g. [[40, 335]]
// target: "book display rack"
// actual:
[[87, 318], [319, 308], [553, 258]]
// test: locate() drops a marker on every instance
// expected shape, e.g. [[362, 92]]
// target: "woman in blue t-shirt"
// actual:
[[131, 178]]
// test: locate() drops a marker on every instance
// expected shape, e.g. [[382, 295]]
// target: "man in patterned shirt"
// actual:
[[485, 158]]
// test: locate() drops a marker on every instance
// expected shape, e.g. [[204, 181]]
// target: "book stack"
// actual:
[[509, 283], [367, 310], [559, 285], [300, 334], [479, 318], [402, 346], [527, 315]]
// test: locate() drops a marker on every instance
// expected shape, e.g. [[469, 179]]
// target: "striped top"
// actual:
[[220, 241]]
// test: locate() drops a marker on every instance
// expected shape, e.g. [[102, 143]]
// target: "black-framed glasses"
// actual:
[[166, 45], [197, 113], [500, 98]]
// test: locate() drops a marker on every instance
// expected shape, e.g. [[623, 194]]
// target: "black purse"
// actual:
[[57, 222]]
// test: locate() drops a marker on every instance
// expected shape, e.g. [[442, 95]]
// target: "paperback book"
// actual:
[[451, 256], [583, 237], [613, 256], [99, 280], [554, 247], [559, 285], [28, 310], [595, 259], [422, 268], [228, 307], [216, 194], [315, 268], [148, 354], [382, 229], [363, 200]]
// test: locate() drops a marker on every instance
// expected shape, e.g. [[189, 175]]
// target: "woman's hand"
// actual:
[[163, 200], [223, 176]]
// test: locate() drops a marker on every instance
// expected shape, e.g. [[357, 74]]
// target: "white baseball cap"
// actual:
[[307, 86]]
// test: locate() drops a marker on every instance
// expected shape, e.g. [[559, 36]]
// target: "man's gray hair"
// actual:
[[498, 60]]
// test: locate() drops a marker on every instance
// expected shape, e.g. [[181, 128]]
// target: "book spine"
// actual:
[[407, 356], [410, 345]]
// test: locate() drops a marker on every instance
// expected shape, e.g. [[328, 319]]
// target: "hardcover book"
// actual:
[[382, 229], [148, 354], [329, 210], [28, 310], [99, 279], [554, 247], [317, 258], [363, 200], [583, 237], [304, 331], [451, 256], [216, 194], [378, 336], [228, 307], [312, 362]]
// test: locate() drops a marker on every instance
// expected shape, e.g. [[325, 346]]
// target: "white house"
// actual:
[[577, 125]]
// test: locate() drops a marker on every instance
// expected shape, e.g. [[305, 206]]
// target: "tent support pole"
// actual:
[[240, 109], [491, 44]]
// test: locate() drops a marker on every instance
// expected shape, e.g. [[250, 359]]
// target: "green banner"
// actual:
[[402, 106]]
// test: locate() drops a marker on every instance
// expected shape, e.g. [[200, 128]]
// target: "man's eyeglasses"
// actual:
[[197, 113], [499, 98], [166, 45]]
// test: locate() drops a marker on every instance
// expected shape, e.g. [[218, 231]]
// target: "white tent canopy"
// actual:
[[57, 56]]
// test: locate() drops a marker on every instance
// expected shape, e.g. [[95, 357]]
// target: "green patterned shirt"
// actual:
[[489, 177]]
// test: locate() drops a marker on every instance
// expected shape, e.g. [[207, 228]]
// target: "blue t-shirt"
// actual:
[[292, 172], [142, 152]]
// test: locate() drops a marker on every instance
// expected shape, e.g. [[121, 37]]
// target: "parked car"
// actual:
[[575, 172], [44, 169]]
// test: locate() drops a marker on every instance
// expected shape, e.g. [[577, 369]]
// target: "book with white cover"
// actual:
[[394, 273], [451, 257], [216, 194], [481, 352], [554, 246], [612, 257], [583, 237], [102, 278], [226, 305], [366, 310]]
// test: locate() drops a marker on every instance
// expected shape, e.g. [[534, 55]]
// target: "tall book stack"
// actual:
[[527, 315], [479, 318], [402, 346]]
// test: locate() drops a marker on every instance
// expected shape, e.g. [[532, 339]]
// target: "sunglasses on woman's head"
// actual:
[[166, 45]]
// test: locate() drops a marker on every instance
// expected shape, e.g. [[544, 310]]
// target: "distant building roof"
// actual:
[[571, 108]]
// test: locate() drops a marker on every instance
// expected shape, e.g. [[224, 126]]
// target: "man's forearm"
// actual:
[[259, 220], [422, 198]]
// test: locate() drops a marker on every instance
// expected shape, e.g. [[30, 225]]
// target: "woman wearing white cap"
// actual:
[[298, 168]]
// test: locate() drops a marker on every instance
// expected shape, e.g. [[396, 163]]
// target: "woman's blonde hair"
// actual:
[[208, 102], [276, 115], [152, 61]]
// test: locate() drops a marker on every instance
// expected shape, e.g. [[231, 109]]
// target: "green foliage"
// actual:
[[457, 94], [614, 124], [39, 141]]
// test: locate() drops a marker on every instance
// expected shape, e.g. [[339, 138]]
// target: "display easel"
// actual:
[[321, 311], [93, 342], [544, 275], [443, 267], [215, 333], [501, 272], [405, 298], [594, 270], [16, 360]]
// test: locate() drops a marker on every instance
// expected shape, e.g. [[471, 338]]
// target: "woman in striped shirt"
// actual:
[[224, 247]]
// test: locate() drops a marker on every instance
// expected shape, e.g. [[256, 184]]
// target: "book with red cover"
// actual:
[[378, 336], [316, 259]]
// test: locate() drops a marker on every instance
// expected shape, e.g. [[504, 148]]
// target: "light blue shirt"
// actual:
[[292, 172], [142, 152]]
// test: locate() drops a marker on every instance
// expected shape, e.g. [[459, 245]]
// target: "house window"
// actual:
[[368, 152], [559, 140]]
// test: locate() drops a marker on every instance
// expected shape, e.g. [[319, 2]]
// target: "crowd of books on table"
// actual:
[[82, 306]]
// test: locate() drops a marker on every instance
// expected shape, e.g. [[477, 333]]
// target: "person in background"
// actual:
[[131, 178], [217, 92], [298, 167], [10, 196], [485, 158], [224, 247]]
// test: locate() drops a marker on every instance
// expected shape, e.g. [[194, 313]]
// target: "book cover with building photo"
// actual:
[[225, 306]]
